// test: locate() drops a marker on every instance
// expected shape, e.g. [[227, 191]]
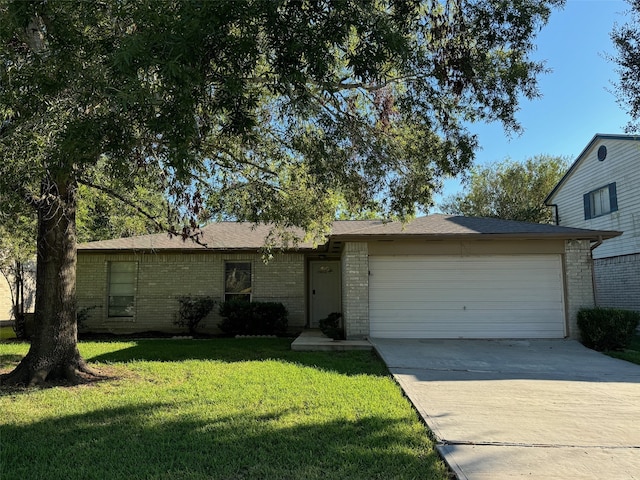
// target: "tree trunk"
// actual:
[[18, 305], [54, 351]]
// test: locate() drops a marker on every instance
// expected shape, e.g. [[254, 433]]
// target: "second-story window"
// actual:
[[600, 201]]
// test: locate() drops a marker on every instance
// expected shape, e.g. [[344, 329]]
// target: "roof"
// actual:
[[449, 226], [216, 236], [582, 156], [248, 236]]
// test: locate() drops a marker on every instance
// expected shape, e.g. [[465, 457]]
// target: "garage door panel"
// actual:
[[432, 308], [460, 332], [470, 317], [464, 263], [447, 279], [495, 274], [445, 329], [398, 294], [501, 296]]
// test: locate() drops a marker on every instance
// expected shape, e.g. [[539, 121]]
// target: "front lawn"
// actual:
[[215, 409], [631, 353], [7, 333]]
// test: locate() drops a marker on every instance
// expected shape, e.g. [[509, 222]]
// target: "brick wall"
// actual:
[[579, 281], [5, 299], [7, 291], [618, 281], [355, 289], [161, 277]]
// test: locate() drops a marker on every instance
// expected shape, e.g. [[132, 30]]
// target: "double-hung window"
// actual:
[[122, 282], [600, 201], [237, 281]]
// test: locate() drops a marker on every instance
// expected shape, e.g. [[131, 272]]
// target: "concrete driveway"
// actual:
[[523, 408]]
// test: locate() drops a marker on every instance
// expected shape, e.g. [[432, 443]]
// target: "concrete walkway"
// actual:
[[315, 340], [544, 409]]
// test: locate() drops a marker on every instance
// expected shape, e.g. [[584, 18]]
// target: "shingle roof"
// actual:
[[446, 226], [217, 236], [247, 236]]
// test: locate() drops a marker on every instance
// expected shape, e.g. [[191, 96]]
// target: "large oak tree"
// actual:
[[626, 39], [260, 110]]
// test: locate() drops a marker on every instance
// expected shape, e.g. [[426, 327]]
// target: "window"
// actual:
[[122, 277], [601, 201], [237, 281]]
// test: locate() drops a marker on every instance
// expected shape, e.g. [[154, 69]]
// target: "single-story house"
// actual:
[[438, 276]]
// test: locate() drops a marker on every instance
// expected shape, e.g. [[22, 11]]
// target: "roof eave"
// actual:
[[590, 235], [579, 158], [192, 250]]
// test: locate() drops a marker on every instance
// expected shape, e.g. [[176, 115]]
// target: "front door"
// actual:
[[325, 290]]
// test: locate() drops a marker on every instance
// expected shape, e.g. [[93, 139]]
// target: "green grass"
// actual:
[[7, 333], [631, 353], [221, 409]]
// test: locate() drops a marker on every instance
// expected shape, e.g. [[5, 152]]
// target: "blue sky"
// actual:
[[577, 101]]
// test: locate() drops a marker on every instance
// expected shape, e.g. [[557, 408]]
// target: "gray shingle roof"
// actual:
[[247, 236], [454, 226]]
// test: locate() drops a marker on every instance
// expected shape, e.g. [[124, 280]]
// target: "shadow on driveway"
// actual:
[[505, 408]]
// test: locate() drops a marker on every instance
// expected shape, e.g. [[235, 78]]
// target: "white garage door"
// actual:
[[501, 296]]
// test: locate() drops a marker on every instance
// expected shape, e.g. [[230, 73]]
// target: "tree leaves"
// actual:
[[626, 39], [262, 107], [510, 190]]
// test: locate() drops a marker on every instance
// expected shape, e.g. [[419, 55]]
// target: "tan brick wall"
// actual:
[[5, 299], [162, 277], [578, 281], [355, 289], [29, 289]]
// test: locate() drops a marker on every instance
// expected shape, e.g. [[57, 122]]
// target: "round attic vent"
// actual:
[[602, 153]]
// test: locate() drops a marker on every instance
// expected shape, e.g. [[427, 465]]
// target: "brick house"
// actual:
[[437, 276], [8, 293], [601, 191]]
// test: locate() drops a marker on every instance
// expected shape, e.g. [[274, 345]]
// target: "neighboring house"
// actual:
[[6, 304], [601, 191], [7, 292], [438, 276]]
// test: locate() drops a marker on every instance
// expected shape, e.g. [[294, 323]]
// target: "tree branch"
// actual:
[[190, 233]]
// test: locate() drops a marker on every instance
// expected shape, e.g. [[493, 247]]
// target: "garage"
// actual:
[[476, 296]]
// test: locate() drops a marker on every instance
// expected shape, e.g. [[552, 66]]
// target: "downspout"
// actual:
[[593, 270], [596, 245], [556, 215]]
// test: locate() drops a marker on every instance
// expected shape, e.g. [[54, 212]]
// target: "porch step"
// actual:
[[315, 340]]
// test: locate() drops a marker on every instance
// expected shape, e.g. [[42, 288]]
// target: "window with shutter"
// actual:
[[601, 201]]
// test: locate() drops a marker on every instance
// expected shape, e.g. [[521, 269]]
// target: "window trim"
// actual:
[[225, 294], [109, 286], [588, 199]]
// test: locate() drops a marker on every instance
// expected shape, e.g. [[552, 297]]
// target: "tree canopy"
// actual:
[[626, 39], [258, 110], [510, 190]]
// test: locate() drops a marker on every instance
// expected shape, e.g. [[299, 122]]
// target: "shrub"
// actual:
[[607, 328], [20, 324], [192, 311], [253, 318], [82, 315], [330, 326]]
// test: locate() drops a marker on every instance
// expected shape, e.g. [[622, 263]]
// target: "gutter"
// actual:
[[593, 271], [597, 244]]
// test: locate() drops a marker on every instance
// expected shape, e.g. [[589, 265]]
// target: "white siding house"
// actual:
[[601, 191]]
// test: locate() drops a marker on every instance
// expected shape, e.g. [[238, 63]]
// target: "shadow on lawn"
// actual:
[[245, 349], [129, 442]]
